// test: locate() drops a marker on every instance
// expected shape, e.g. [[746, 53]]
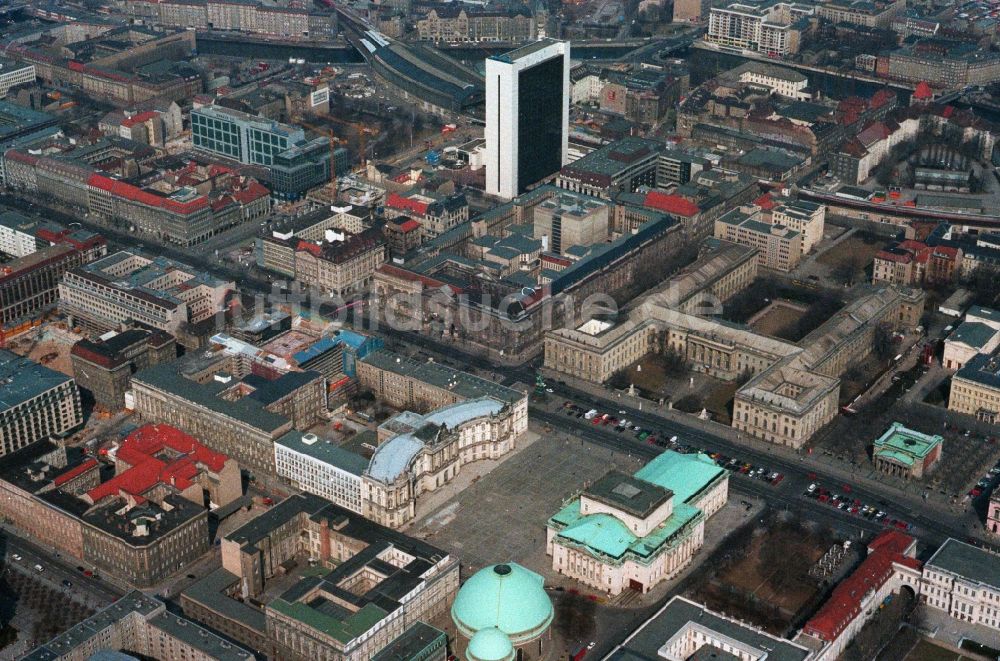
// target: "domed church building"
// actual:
[[503, 614]]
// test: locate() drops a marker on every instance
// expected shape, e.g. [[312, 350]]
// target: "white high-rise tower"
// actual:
[[527, 116]]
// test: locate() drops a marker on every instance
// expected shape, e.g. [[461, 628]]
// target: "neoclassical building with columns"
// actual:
[[632, 532]]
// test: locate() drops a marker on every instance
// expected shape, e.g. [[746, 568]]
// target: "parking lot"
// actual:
[[653, 437], [840, 498]]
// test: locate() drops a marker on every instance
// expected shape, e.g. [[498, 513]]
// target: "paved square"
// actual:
[[502, 515]]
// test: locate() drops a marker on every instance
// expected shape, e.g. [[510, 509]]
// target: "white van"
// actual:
[[590, 415]]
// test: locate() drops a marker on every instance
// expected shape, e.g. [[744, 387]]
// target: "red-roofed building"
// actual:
[[402, 234], [184, 217], [891, 564], [163, 459], [914, 263], [923, 92], [672, 204], [406, 205], [145, 127]]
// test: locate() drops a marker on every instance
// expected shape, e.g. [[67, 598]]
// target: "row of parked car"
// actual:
[[985, 485], [854, 506], [621, 425]]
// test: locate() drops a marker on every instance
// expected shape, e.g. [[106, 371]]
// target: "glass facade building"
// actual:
[[242, 137]]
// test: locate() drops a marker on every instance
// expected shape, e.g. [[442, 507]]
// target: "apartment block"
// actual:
[[772, 28], [13, 73]]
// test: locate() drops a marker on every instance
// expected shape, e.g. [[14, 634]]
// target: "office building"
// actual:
[[233, 403], [683, 629], [379, 582], [17, 235], [240, 136], [778, 247], [619, 167], [35, 403], [131, 287], [568, 220], [317, 466], [138, 624], [144, 523], [806, 218], [104, 367], [300, 167], [527, 116], [405, 383], [13, 73], [29, 284]]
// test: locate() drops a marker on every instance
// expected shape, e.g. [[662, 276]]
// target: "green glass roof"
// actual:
[[490, 645], [687, 475], [507, 597]]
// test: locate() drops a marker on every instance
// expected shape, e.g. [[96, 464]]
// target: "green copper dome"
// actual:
[[506, 597], [490, 645]]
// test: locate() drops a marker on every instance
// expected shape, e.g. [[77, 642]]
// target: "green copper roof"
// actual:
[[686, 475], [905, 442], [604, 536], [602, 532], [507, 597], [901, 457], [490, 645]]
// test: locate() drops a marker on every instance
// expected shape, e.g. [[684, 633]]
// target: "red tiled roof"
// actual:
[[253, 192], [765, 202], [136, 194], [674, 204], [873, 133], [405, 274], [888, 256], [129, 122], [409, 226], [146, 470], [397, 201], [923, 92], [844, 604], [314, 249], [74, 472]]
